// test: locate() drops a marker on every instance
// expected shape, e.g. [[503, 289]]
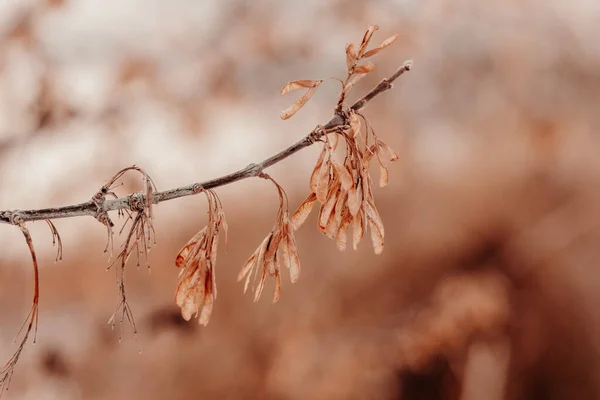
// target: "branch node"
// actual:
[[197, 188], [14, 217], [137, 202]]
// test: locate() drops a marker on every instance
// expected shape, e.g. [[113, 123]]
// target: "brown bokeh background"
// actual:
[[489, 284]]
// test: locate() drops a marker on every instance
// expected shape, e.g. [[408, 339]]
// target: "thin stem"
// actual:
[[91, 208]]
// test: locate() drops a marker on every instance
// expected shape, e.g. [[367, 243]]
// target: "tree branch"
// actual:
[[93, 208]]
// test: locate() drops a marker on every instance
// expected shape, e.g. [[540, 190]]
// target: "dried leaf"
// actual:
[[327, 209], [351, 57], [376, 237], [323, 184], [277, 293], [376, 227], [294, 258], [382, 46], [206, 311], [270, 254], [344, 176], [392, 155], [354, 200], [184, 253], [340, 239], [364, 68], [247, 271], [358, 230], [303, 211], [383, 176], [366, 39], [320, 168], [291, 110], [303, 83], [355, 124]]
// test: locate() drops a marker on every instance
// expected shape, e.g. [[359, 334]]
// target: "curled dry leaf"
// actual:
[[278, 250], [197, 288], [293, 109], [382, 46]]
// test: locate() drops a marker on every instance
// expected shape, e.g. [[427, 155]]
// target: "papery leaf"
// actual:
[[303, 83], [382, 46], [294, 258], [344, 176], [351, 57], [291, 110], [383, 176], [303, 211], [358, 229], [366, 39]]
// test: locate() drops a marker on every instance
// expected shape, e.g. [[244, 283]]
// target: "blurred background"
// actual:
[[489, 284]]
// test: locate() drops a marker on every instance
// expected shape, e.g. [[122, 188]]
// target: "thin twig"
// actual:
[[91, 208]]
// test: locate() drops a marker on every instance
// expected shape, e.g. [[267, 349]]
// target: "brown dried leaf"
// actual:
[[382, 46], [303, 211], [392, 155], [340, 239], [327, 211], [383, 176], [303, 83], [354, 200], [291, 110], [351, 57], [270, 254], [294, 258], [320, 168], [366, 39], [344, 176], [358, 229], [189, 294], [206, 311], [184, 253], [277, 293], [323, 184], [364, 68], [376, 227]]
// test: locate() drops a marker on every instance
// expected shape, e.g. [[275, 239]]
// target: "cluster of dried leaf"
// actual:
[[342, 187]]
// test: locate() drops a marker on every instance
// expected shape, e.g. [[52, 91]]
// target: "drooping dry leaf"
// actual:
[[382, 46], [277, 293], [364, 68], [340, 239], [358, 229], [376, 227], [270, 253], [354, 200], [303, 83], [294, 258], [320, 168], [327, 209], [344, 176], [291, 110], [303, 211], [383, 176], [323, 183], [184, 253]]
